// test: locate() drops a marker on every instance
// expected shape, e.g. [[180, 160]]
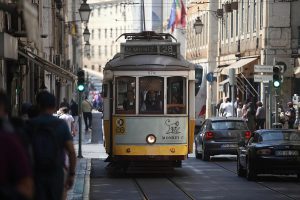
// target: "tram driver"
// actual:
[[129, 102], [152, 101]]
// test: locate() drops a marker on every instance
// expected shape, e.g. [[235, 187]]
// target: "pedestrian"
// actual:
[[228, 108], [260, 116], [51, 139], [250, 116], [68, 119], [291, 115], [74, 113], [239, 110], [16, 179], [87, 113], [64, 103]]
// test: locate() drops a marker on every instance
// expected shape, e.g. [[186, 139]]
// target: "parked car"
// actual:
[[274, 151], [219, 135]]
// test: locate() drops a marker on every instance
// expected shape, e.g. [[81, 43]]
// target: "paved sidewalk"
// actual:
[[81, 188]]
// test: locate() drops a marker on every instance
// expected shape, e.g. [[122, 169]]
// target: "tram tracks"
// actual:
[[260, 183], [146, 194]]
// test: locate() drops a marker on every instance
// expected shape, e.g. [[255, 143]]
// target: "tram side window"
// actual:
[[151, 95], [125, 95], [176, 95]]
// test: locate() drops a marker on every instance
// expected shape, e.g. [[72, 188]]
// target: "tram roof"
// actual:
[[143, 62]]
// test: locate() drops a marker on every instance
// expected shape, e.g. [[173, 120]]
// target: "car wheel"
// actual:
[[197, 155], [250, 172], [240, 170], [205, 155]]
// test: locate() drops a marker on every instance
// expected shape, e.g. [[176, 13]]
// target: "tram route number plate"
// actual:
[[160, 49]]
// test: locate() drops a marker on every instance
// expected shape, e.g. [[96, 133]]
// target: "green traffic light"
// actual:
[[276, 84], [80, 88]]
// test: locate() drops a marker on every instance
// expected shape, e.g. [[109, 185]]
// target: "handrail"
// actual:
[[249, 84]]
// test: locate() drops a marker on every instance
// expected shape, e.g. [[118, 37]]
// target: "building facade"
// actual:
[[248, 33], [108, 20]]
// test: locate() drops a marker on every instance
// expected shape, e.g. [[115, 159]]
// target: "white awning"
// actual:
[[48, 66], [238, 65], [297, 72]]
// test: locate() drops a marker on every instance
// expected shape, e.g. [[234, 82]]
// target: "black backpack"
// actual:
[[45, 147]]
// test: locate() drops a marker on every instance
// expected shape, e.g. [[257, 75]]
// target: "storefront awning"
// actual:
[[48, 66], [297, 72], [239, 65]]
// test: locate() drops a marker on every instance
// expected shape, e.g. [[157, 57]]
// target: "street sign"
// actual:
[[263, 68], [263, 78], [210, 77]]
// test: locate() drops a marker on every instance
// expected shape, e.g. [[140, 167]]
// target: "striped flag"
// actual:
[[172, 17], [183, 14]]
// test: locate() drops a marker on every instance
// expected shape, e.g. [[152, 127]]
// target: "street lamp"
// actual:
[[198, 25], [87, 47], [84, 11], [86, 34]]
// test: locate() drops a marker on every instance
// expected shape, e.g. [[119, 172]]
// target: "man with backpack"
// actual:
[[50, 140]]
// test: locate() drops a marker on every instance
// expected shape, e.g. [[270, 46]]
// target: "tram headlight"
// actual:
[[151, 139]]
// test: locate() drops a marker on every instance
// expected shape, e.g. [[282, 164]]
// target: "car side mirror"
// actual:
[[242, 143], [197, 129]]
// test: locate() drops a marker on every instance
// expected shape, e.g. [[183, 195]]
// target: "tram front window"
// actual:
[[125, 95], [176, 98], [151, 95]]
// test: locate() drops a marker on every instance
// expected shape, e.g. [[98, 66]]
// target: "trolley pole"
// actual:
[[80, 126]]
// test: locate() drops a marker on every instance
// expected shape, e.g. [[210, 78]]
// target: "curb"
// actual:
[[86, 190]]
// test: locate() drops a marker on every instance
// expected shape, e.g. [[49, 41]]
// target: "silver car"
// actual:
[[220, 135]]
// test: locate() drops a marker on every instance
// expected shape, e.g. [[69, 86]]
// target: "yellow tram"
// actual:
[[149, 101]]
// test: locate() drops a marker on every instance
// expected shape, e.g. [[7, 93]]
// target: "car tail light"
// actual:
[[209, 135], [264, 151], [247, 134]]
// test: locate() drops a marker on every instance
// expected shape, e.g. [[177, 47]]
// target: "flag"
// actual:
[[178, 13], [183, 15], [172, 17]]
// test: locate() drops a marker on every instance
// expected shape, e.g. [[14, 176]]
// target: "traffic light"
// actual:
[[277, 78], [80, 81]]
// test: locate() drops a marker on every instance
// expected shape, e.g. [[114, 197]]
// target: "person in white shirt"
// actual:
[[68, 119], [228, 108]]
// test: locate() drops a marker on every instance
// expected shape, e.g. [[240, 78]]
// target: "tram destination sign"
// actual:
[[157, 49]]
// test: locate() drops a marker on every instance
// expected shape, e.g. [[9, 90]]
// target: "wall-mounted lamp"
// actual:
[[86, 34], [84, 11], [87, 47], [198, 25]]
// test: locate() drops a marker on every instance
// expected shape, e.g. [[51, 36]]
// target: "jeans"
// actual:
[[87, 116]]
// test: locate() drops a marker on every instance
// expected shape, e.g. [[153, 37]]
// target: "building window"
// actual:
[[92, 34], [248, 16], [92, 51], [99, 12], [105, 50], [99, 34], [99, 50], [298, 37], [242, 16], [93, 67], [261, 14], [85, 66], [116, 7], [237, 23], [116, 32], [105, 33], [111, 50], [231, 25], [99, 68], [111, 32], [254, 15]]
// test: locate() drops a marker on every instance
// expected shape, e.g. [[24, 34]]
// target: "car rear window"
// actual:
[[279, 135], [229, 125]]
